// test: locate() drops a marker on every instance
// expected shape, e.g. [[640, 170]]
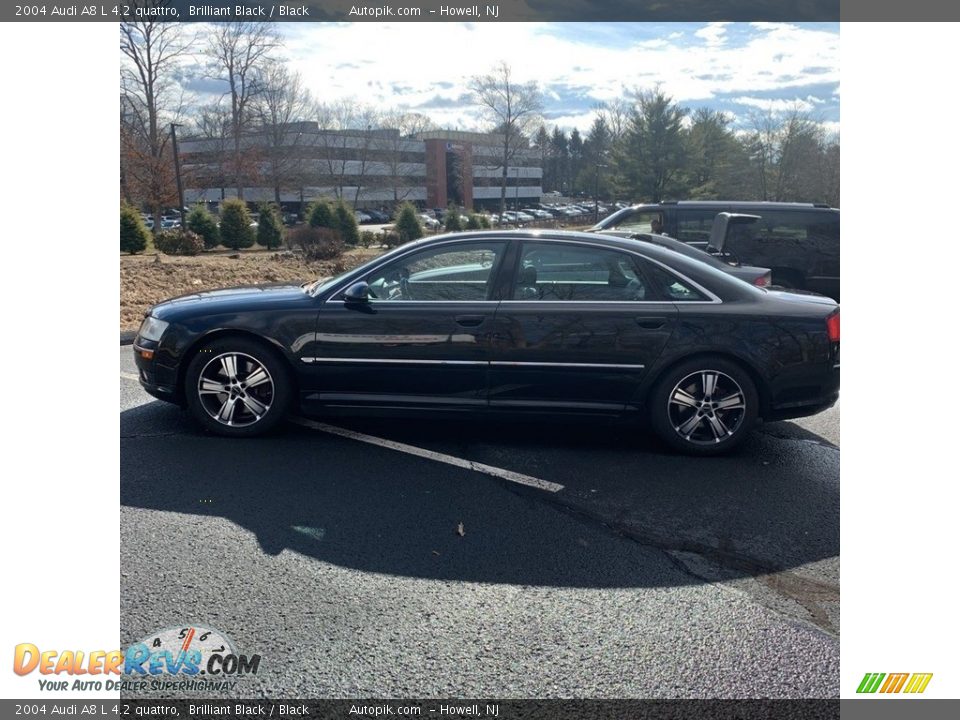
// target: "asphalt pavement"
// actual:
[[357, 568]]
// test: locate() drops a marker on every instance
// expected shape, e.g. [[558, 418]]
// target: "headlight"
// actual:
[[152, 329]]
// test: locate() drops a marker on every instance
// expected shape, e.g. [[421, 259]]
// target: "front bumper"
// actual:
[[156, 379]]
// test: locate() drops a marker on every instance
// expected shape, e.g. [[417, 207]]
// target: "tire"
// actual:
[[218, 394], [688, 416]]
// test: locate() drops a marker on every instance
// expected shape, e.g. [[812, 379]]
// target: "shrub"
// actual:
[[392, 239], [320, 214], [485, 222], [451, 221], [270, 227], [205, 225], [235, 230], [473, 222], [316, 243], [367, 239], [408, 225], [133, 233], [347, 223], [178, 242]]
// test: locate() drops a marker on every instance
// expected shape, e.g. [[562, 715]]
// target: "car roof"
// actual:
[[709, 204]]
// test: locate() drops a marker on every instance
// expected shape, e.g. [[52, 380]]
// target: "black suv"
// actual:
[[799, 242]]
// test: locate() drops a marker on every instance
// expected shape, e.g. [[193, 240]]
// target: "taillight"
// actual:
[[833, 327], [762, 280]]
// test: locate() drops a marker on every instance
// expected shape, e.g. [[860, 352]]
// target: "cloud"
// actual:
[[714, 34], [776, 105], [428, 65]]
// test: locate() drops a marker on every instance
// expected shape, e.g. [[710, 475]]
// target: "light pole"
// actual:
[[516, 189], [176, 167], [596, 194]]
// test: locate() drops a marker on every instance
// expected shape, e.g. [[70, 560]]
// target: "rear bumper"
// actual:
[[814, 395]]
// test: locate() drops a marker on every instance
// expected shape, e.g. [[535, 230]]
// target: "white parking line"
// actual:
[[501, 473], [510, 475]]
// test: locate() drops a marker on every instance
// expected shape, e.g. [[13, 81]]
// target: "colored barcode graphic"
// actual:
[[913, 683]]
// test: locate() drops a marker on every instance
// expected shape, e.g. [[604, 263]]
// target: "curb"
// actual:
[[127, 337]]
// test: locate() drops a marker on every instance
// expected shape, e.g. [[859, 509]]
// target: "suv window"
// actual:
[[695, 225], [640, 221], [559, 272], [458, 272], [790, 227]]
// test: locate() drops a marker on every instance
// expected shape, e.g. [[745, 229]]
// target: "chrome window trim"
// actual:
[[714, 300]]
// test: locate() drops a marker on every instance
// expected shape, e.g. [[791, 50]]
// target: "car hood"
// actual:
[[228, 299]]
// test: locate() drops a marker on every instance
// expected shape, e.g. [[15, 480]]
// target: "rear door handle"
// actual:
[[651, 323], [470, 320]]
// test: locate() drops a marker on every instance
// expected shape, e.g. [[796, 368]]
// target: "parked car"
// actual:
[[717, 257], [799, 242], [362, 217], [431, 223], [524, 322]]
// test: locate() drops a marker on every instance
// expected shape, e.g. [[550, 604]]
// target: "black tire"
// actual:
[[697, 427], [239, 410]]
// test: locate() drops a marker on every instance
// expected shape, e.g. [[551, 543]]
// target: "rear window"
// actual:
[[787, 227]]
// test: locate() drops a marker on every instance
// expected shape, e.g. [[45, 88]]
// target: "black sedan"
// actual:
[[521, 322]]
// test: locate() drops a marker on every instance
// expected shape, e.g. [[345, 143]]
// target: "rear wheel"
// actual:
[[237, 387], [705, 406]]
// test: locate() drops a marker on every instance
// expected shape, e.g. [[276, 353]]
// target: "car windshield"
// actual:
[[322, 284]]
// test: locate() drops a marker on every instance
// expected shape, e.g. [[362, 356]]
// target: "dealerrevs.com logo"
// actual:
[[909, 683], [179, 658]]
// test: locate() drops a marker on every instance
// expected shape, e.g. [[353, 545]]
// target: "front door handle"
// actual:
[[470, 320], [651, 323]]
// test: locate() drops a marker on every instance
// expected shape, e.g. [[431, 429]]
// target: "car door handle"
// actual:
[[651, 323], [470, 320]]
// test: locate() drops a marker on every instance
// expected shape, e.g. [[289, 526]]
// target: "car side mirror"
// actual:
[[357, 293]]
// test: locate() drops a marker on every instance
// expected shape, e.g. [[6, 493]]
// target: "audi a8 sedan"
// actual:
[[524, 322]]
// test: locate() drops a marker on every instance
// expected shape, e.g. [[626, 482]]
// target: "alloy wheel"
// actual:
[[706, 407], [235, 389]]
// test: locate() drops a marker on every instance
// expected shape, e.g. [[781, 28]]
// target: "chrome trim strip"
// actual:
[[394, 361], [837, 366], [619, 366], [499, 363]]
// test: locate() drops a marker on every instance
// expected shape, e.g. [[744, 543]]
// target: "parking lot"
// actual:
[[378, 558]]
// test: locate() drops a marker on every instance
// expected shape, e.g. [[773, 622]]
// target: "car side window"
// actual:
[[561, 272], [457, 272], [637, 222], [672, 287]]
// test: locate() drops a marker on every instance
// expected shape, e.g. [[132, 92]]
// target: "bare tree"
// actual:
[[238, 51], [281, 103], [210, 139], [344, 143], [151, 99], [393, 145], [511, 107]]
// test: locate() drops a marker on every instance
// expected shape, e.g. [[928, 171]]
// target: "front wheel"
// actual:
[[705, 406], [237, 387]]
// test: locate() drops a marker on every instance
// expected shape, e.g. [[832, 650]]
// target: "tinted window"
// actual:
[[672, 287], [821, 229], [460, 272], [695, 225], [557, 272], [640, 221]]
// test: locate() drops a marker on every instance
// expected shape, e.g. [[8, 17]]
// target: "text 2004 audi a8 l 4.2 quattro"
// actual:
[[524, 321]]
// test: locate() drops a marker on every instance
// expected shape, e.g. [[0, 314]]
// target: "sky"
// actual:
[[739, 68]]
